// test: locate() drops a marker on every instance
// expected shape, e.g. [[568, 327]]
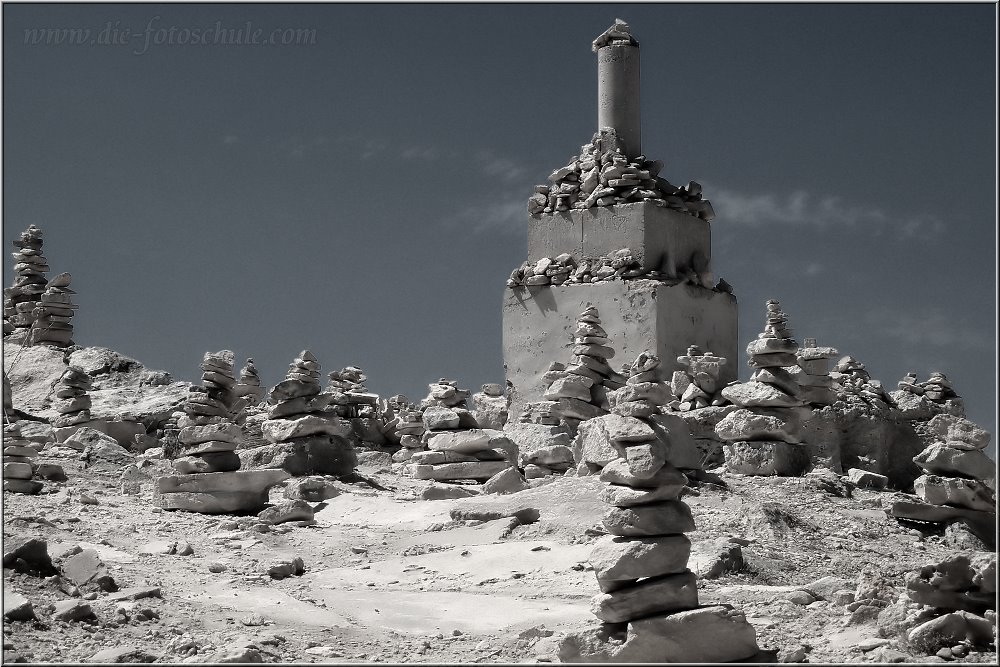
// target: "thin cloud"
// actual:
[[803, 209], [933, 327]]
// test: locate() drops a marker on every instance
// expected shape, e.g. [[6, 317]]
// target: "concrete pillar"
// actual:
[[618, 93]]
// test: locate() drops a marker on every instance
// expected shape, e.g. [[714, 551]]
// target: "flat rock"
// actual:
[[866, 479], [28, 555], [950, 428], [766, 458], [254, 481], [192, 435], [713, 558], [744, 424], [670, 517], [682, 450], [311, 489], [618, 472], [758, 394], [949, 461], [625, 496], [956, 491], [554, 454], [287, 510], [619, 561], [300, 426], [28, 487], [506, 481], [463, 442], [571, 386], [86, 570], [595, 444], [72, 611], [284, 569], [529, 437], [436, 418], [468, 470], [448, 492], [577, 409], [16, 607], [656, 595], [950, 629], [703, 635], [214, 502], [17, 471], [122, 655], [204, 463]]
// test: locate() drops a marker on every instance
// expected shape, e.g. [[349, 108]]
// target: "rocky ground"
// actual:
[[390, 577]]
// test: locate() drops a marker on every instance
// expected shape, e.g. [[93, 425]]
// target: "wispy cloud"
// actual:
[[500, 167], [803, 209], [934, 328]]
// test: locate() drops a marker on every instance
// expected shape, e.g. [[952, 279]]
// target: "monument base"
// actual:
[[638, 315]]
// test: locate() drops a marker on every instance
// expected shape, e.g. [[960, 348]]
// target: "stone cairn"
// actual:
[[642, 564], [937, 388], [248, 386], [697, 386], [53, 315], [72, 401], [350, 381], [601, 175], [762, 438], [30, 267], [408, 429], [457, 448], [490, 406], [18, 462], [853, 383], [306, 423], [957, 484], [812, 373], [209, 479]]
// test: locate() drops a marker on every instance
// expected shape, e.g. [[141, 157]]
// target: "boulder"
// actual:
[[943, 460], [16, 607], [594, 444], [447, 492], [682, 450], [766, 458], [506, 481], [619, 472], [959, 432], [87, 571], [746, 425], [955, 491], [626, 496], [950, 629], [867, 480], [300, 426], [437, 418], [311, 489]]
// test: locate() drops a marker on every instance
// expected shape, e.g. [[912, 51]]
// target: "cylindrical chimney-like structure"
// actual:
[[618, 87]]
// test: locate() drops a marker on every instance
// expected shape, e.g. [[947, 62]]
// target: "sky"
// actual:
[[362, 194]]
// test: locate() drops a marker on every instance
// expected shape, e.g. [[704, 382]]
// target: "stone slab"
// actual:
[[468, 470], [658, 595], [767, 457], [216, 482], [618, 561]]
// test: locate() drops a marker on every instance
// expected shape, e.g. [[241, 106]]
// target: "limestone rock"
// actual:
[[287, 510], [310, 489], [746, 425], [16, 607], [948, 461], [618, 561], [482, 470], [626, 496], [866, 479], [655, 595], [300, 426], [669, 517], [473, 440], [618, 472], [955, 491], [758, 394], [951, 629], [766, 458], [954, 430]]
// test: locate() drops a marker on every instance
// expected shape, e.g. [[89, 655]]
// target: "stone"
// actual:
[[214, 502], [626, 496], [950, 629], [746, 425], [948, 461], [468, 470], [594, 443], [665, 518], [825, 588], [72, 611], [473, 440], [89, 437], [447, 492], [867, 480], [287, 510], [758, 394], [577, 409], [301, 426], [682, 450], [51, 472], [122, 655], [955, 491], [766, 458], [712, 559], [710, 634], [656, 595], [87, 571], [242, 481], [224, 431], [952, 429], [571, 386], [29, 555], [310, 489], [26, 486], [210, 462], [506, 481], [17, 471], [982, 524], [619, 561], [645, 459], [437, 418], [548, 456], [618, 472], [16, 607], [626, 429], [285, 569]]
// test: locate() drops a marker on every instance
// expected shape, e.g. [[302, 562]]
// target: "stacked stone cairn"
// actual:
[[958, 483], [649, 598], [853, 383], [248, 386], [408, 429], [350, 381], [812, 373], [564, 269], [937, 388], [762, 438], [53, 315], [457, 449], [72, 401], [19, 462], [30, 267], [306, 422], [490, 406], [601, 175], [209, 479], [697, 386]]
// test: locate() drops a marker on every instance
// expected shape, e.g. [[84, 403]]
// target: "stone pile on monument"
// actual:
[[763, 437], [209, 479], [30, 267]]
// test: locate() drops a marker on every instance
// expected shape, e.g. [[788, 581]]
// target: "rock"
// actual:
[[525, 515], [825, 587], [548, 456], [87, 571], [442, 492], [950, 629], [468, 470], [287, 510], [241, 481], [619, 561], [959, 535], [470, 441], [766, 458], [952, 429], [800, 597], [955, 491], [29, 555], [436, 418], [135, 593], [645, 459], [17, 470], [73, 610], [286, 569], [240, 655], [712, 559], [310, 489], [948, 461], [655, 595], [665, 518], [205, 463], [982, 524], [51, 472], [626, 429], [867, 480], [594, 443], [198, 433], [25, 486], [951, 584], [792, 654], [214, 502], [122, 654], [682, 450], [746, 425], [758, 394], [625, 496], [618, 472], [506, 481], [706, 634], [16, 607]]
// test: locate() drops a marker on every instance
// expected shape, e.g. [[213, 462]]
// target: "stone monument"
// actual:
[[610, 202]]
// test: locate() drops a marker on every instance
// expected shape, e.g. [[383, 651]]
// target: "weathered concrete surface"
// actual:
[[639, 315], [659, 238]]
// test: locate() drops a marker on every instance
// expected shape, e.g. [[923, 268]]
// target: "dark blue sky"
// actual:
[[364, 196]]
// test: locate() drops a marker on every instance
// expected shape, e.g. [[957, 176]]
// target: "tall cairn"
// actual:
[[209, 480], [53, 315], [72, 401], [30, 267], [248, 386]]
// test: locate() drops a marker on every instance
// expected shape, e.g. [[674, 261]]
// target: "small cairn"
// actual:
[[853, 383], [937, 388], [19, 462], [53, 315], [305, 422], [408, 428], [248, 386], [762, 438], [563, 269], [812, 373], [957, 484], [350, 381], [601, 175], [209, 479], [72, 401], [490, 406], [637, 424], [697, 386], [457, 448], [642, 564], [30, 267]]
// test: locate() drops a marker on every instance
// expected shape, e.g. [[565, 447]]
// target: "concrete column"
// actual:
[[618, 94]]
